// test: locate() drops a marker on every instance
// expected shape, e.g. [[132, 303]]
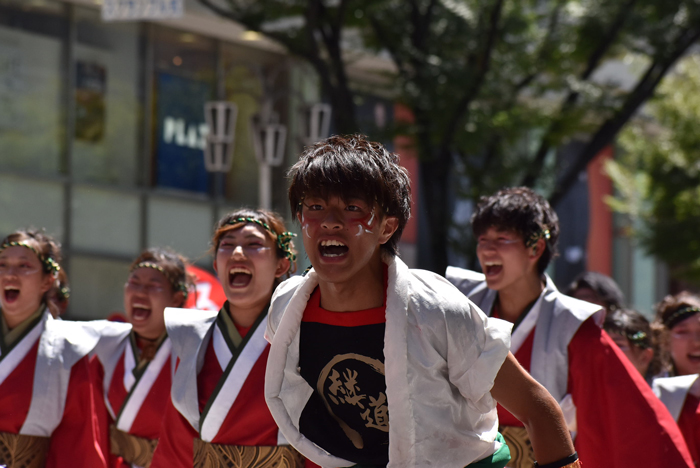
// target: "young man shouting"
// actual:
[[617, 420], [373, 364]]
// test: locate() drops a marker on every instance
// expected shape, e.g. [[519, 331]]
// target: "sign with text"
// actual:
[[135, 10]]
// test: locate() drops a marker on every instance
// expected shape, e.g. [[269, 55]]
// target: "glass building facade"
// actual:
[[102, 132]]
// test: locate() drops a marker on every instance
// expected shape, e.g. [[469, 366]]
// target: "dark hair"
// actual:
[[671, 310], [353, 167], [605, 288], [521, 210], [631, 324], [173, 266], [270, 218], [48, 250], [638, 331]]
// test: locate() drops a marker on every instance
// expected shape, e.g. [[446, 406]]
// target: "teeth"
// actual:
[[235, 270], [11, 288], [492, 263], [141, 306], [327, 243]]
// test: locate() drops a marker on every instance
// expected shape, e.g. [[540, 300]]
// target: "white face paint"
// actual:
[[362, 229], [305, 227]]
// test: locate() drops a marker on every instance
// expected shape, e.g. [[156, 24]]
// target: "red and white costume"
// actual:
[[617, 420], [681, 395], [46, 391], [218, 389], [133, 401]]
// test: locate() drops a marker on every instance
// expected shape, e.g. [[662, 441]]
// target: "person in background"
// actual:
[[559, 341], [47, 417], [678, 324], [133, 364], [597, 288], [217, 411], [373, 364], [632, 333]]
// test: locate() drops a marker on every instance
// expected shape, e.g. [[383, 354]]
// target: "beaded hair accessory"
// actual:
[[638, 339], [680, 315], [50, 265], [64, 293], [283, 239], [177, 285], [543, 234]]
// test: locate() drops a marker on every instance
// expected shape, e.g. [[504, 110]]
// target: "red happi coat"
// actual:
[[218, 390], [681, 395], [134, 402], [617, 420], [46, 390]]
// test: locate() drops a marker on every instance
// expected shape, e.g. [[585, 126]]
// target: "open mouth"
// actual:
[[694, 358], [11, 294], [492, 268], [332, 248], [140, 312], [239, 277]]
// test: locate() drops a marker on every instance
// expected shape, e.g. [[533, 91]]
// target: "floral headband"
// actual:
[[543, 234], [50, 265], [680, 315], [178, 285], [283, 239]]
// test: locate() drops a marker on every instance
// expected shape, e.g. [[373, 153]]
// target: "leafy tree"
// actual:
[[658, 176], [495, 86]]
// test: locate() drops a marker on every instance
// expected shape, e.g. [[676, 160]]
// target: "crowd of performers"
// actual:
[[357, 362]]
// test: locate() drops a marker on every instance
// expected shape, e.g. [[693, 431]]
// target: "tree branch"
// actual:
[[592, 64], [483, 68], [643, 91]]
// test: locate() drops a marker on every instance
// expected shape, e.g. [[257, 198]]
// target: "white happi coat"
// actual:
[[114, 343], [191, 330], [555, 318], [672, 391], [62, 344], [442, 355]]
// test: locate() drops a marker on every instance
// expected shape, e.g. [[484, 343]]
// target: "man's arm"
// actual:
[[532, 404]]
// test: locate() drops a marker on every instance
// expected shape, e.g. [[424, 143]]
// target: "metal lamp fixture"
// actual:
[[269, 144], [318, 121], [221, 119]]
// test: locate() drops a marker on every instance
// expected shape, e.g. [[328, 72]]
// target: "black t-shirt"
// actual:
[[341, 355]]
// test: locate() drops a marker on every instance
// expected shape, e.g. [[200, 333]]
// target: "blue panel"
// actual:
[[181, 133]]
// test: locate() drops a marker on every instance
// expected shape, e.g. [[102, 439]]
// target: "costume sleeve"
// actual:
[[476, 348], [620, 423], [176, 443], [75, 442], [689, 424], [101, 415]]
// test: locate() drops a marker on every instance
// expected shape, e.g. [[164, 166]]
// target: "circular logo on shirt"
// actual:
[[353, 388]]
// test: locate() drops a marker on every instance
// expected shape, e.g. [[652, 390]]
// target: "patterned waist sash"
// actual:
[[23, 451], [133, 449], [208, 455], [521, 454]]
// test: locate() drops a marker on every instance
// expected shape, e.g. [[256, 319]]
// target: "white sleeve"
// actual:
[[477, 346]]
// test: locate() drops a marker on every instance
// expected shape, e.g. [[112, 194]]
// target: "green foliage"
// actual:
[[658, 178]]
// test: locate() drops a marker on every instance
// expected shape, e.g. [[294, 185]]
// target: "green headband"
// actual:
[[50, 265], [680, 315], [177, 285], [284, 239]]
